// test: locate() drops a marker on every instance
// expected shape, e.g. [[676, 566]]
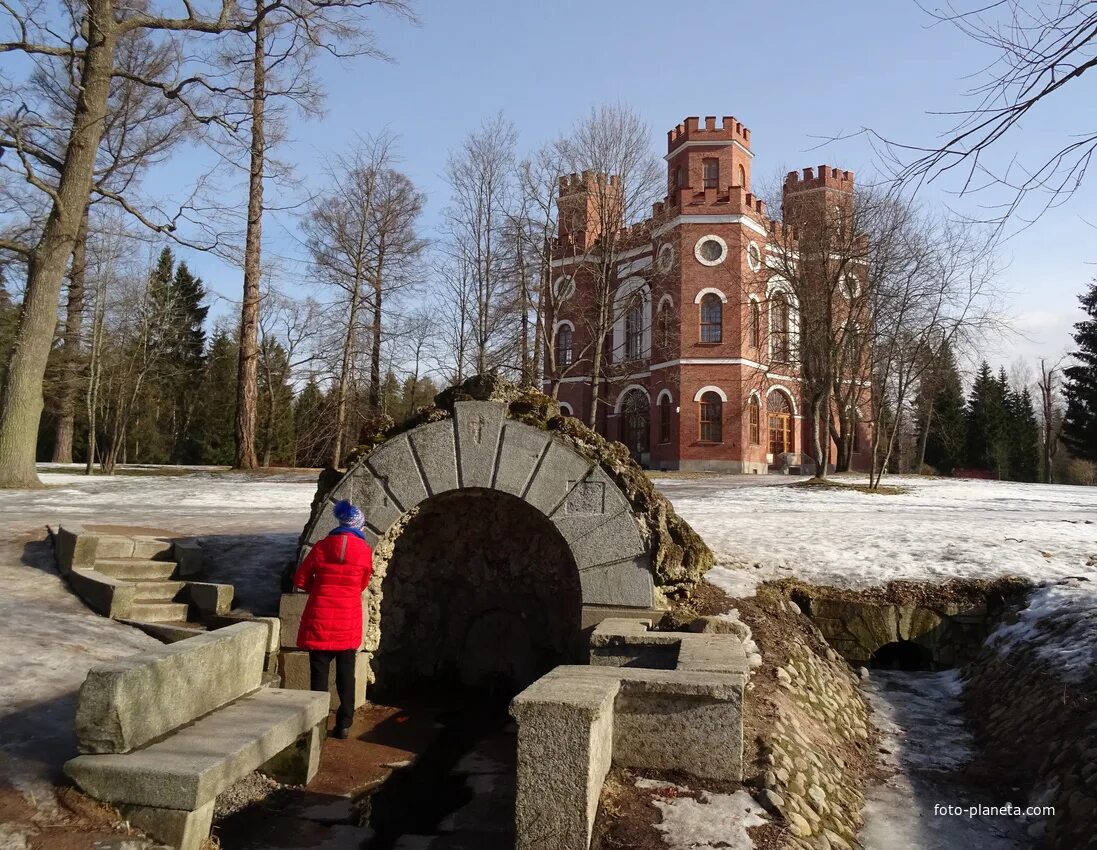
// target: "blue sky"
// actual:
[[796, 73]]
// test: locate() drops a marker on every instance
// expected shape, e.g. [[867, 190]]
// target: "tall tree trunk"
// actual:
[[70, 351], [268, 437], [247, 378], [375, 352], [344, 379], [21, 395], [924, 440]]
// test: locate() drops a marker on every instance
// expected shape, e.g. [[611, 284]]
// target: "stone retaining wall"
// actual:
[[1042, 733], [809, 726]]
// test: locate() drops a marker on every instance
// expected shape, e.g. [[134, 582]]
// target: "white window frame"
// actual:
[[700, 257]]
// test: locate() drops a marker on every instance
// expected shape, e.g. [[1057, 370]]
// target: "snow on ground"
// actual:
[[924, 739], [707, 822], [1061, 622], [939, 529], [49, 639]]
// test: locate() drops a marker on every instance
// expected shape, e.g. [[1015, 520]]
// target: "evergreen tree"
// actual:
[[981, 423], [1024, 438], [185, 361], [313, 426], [947, 425], [390, 395], [216, 409], [1080, 386]]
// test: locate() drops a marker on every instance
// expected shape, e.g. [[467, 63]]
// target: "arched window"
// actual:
[[754, 410], [779, 321], [635, 412], [634, 332], [780, 423], [712, 322], [664, 418], [712, 418], [563, 346], [755, 323], [666, 325], [742, 177]]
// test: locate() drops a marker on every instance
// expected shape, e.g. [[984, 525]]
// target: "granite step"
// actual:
[[159, 612], [158, 591], [137, 569]]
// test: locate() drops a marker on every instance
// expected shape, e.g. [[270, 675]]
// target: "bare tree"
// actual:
[[618, 178], [1040, 52], [1051, 420], [362, 239], [89, 39], [481, 179], [938, 291], [283, 45]]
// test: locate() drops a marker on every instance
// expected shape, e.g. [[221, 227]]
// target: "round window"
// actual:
[[710, 250], [565, 287]]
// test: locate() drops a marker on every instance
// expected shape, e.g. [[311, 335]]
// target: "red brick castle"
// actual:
[[700, 350]]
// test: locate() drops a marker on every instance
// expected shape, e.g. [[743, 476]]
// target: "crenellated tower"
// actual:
[[817, 197], [590, 205]]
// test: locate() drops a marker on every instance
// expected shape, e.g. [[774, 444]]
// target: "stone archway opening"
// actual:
[[482, 592], [903, 655]]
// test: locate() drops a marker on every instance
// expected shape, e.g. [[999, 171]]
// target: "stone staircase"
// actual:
[[138, 574]]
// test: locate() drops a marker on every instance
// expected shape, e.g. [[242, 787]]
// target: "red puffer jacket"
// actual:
[[334, 574]]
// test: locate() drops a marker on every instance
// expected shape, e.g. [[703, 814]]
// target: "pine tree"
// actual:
[[313, 426], [947, 424], [185, 361], [980, 424], [216, 410], [276, 419], [1080, 386], [1024, 438]]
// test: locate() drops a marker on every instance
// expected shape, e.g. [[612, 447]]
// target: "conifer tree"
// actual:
[[312, 426], [217, 409], [947, 425], [185, 361], [1080, 386], [1024, 438], [980, 425]]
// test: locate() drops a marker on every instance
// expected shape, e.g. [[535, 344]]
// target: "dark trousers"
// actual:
[[319, 667]]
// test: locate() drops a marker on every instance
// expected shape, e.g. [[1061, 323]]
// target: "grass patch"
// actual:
[[830, 484]]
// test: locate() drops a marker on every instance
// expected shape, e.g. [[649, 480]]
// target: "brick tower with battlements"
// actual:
[[700, 370]]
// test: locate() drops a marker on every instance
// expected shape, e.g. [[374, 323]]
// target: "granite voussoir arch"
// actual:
[[479, 447]]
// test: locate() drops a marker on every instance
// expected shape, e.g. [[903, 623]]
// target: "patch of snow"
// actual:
[[925, 740], [708, 822], [937, 530], [1060, 621]]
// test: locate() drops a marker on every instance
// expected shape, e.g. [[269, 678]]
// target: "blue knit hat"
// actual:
[[348, 515]]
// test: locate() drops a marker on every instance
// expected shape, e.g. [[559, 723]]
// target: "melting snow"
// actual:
[[709, 821]]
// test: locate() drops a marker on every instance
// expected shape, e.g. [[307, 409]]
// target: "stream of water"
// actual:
[[926, 742]]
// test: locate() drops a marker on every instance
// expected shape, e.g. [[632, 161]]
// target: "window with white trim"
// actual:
[[563, 346], [712, 418]]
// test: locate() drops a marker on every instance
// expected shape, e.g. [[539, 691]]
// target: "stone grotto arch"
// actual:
[[496, 542]]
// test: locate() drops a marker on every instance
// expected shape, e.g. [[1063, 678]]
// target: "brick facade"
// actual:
[[695, 376]]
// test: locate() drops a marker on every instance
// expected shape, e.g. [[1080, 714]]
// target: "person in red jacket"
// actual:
[[335, 574]]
